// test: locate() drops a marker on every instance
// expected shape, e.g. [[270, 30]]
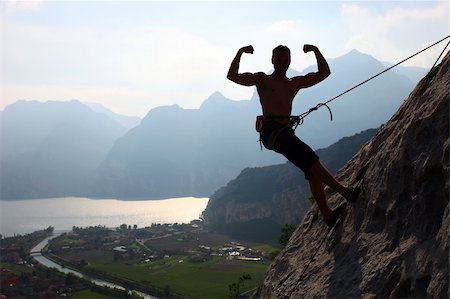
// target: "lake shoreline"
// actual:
[[124, 198], [27, 216]]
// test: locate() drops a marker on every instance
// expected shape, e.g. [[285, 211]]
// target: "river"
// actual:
[[49, 263], [27, 216]]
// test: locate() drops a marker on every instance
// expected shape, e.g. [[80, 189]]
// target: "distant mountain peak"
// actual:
[[25, 105], [215, 101], [356, 53], [216, 94], [125, 120]]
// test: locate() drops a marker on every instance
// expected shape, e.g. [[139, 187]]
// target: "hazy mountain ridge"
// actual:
[[51, 149], [393, 242], [128, 122], [259, 201], [413, 73], [175, 151], [368, 106]]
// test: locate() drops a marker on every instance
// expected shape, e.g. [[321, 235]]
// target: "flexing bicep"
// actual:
[[246, 79], [309, 79]]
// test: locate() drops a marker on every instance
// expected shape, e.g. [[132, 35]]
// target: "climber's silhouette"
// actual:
[[276, 93]]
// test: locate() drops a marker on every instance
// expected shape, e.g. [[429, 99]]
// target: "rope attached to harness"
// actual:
[[300, 118]]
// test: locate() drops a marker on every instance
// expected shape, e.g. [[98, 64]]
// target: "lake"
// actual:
[[26, 216]]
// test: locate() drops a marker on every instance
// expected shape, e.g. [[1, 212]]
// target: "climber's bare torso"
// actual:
[[277, 91], [276, 94]]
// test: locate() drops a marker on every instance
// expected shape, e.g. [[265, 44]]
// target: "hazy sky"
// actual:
[[134, 56]]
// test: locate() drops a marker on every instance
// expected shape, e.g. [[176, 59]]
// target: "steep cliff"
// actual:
[[393, 242]]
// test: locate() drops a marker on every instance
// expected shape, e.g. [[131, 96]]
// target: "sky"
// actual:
[[132, 56]]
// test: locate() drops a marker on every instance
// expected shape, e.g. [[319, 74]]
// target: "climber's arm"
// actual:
[[313, 78], [246, 79]]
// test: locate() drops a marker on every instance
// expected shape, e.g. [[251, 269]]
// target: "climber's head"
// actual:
[[281, 58]]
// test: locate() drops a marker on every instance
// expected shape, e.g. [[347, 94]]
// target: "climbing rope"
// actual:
[[299, 119], [440, 55]]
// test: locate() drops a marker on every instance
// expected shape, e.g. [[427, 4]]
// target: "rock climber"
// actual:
[[276, 93]]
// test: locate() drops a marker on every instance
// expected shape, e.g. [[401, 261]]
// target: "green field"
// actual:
[[209, 279], [16, 269]]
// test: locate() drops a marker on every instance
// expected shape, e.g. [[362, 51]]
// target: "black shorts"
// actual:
[[281, 139]]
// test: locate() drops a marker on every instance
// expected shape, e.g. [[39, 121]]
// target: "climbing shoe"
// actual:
[[330, 222], [352, 194]]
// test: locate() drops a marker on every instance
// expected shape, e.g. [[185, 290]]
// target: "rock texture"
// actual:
[[394, 241], [256, 204]]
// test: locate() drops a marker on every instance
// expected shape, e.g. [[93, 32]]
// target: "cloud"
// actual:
[[149, 63], [18, 5], [283, 27], [398, 31]]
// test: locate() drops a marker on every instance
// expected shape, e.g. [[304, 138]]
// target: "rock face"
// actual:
[[394, 241], [256, 204]]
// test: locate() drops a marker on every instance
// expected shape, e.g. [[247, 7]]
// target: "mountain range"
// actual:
[[52, 149], [73, 149]]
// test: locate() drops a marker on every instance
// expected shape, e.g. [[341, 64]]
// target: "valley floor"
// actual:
[[177, 260]]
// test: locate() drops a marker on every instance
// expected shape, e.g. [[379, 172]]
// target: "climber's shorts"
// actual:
[[282, 139]]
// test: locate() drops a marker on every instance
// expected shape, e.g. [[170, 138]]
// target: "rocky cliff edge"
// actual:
[[394, 241]]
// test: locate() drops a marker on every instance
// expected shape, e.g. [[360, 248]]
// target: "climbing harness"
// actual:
[[297, 120], [286, 121]]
